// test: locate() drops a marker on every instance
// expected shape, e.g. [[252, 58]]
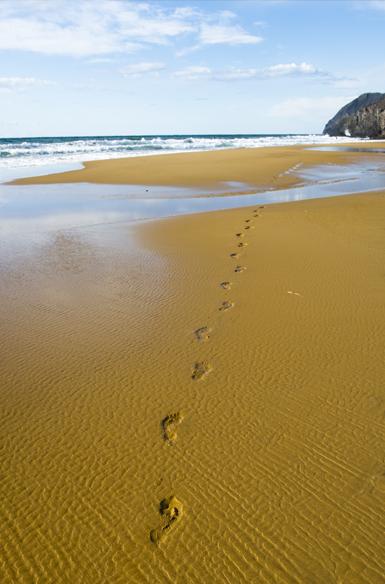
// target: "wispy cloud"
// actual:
[[282, 70], [261, 23], [88, 28], [222, 31], [85, 29], [187, 50], [139, 69], [18, 84], [213, 34]]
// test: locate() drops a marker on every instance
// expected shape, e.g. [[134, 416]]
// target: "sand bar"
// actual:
[[277, 466], [251, 167]]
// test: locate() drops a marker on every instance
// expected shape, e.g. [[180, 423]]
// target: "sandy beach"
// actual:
[[250, 167], [205, 405]]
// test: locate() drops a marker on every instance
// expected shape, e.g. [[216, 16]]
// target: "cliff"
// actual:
[[368, 122], [333, 127]]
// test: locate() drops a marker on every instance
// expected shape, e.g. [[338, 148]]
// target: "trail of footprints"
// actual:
[[170, 509]]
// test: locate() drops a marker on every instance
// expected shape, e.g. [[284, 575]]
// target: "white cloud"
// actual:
[[310, 109], [81, 29], [85, 29], [17, 84], [292, 69], [217, 30], [195, 73], [212, 34], [282, 70], [187, 50], [141, 68]]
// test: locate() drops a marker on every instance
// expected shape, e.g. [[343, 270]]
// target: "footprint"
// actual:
[[240, 235], [226, 285], [171, 511], [249, 227], [168, 422], [249, 220], [242, 244], [235, 256], [257, 215], [226, 305], [201, 369], [203, 333], [263, 206], [240, 268]]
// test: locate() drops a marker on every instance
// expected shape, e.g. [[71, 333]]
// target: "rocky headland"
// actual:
[[364, 117]]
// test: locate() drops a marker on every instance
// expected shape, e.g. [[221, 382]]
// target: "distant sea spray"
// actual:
[[31, 152]]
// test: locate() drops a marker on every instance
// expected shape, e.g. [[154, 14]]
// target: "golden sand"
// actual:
[[252, 167], [149, 436]]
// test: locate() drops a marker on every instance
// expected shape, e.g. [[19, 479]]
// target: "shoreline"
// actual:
[[256, 168]]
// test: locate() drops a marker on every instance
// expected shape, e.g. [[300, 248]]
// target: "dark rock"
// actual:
[[333, 127], [368, 122]]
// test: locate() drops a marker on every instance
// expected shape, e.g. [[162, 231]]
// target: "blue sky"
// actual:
[[184, 67]]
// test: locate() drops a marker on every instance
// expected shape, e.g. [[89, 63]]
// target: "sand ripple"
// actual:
[[279, 460]]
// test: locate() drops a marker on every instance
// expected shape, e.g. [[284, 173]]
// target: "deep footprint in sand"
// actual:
[[249, 220], [240, 235], [203, 333], [201, 369], [249, 227], [226, 305], [240, 268], [242, 244], [235, 256], [168, 424], [171, 510], [226, 285]]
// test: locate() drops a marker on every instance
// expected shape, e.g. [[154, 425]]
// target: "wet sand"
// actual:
[[174, 414]]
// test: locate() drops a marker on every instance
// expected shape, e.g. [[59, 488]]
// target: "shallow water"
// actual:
[[348, 149], [30, 214]]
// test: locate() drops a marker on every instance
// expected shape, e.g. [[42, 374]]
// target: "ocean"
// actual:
[[34, 152]]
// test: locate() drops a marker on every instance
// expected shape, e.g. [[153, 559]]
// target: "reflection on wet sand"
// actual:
[[31, 214]]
